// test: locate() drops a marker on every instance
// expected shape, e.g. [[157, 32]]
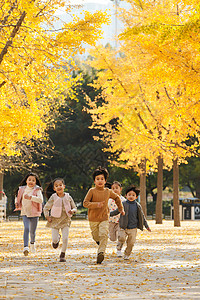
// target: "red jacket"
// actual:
[[36, 207]]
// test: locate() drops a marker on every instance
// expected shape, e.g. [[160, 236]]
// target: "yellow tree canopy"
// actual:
[[155, 103], [36, 64]]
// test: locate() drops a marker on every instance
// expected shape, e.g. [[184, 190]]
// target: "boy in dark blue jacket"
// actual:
[[134, 218]]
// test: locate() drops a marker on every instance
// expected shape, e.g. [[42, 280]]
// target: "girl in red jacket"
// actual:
[[29, 200]]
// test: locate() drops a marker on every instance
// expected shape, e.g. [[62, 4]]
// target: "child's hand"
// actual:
[[16, 207], [101, 204], [49, 219], [27, 197], [149, 229], [71, 212], [123, 213]]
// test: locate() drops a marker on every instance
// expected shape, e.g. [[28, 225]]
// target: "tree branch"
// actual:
[[9, 13], [3, 82], [13, 34]]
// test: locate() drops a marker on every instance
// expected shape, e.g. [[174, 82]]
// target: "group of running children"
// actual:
[[109, 213]]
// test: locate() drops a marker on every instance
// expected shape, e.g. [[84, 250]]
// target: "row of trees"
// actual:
[[150, 86], [148, 108], [76, 154]]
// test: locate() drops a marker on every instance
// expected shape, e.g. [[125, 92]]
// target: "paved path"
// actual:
[[167, 266]]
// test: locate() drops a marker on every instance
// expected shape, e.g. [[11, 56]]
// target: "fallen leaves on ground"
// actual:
[[164, 264]]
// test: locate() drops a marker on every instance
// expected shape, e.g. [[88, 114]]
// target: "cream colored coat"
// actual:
[[64, 219]]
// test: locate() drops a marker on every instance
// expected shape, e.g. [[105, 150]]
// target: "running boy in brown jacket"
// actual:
[[96, 201]]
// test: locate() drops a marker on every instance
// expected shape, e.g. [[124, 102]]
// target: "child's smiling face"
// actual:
[[116, 188], [59, 187], [131, 196]]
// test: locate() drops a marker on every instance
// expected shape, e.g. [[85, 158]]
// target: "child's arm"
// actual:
[[16, 204], [37, 199], [114, 212], [146, 225], [47, 208], [88, 201], [73, 209], [17, 201]]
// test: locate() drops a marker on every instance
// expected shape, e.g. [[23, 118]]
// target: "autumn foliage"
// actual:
[[151, 83], [36, 52]]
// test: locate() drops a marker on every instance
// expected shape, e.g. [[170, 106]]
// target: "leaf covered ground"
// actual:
[[165, 264]]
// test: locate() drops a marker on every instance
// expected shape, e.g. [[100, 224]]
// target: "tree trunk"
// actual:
[[176, 193], [143, 201], [159, 191], [1, 186]]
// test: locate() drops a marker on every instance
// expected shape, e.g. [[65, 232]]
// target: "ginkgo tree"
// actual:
[[36, 64], [152, 87], [36, 60]]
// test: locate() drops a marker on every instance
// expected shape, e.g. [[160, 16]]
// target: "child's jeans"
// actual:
[[99, 232], [113, 230], [56, 237], [128, 235], [30, 225]]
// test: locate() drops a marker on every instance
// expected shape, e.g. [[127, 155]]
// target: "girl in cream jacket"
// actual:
[[58, 212]]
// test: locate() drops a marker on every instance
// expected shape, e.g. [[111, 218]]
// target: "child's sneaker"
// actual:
[[26, 251], [100, 257], [32, 248], [119, 253], [126, 257], [55, 245], [62, 257]]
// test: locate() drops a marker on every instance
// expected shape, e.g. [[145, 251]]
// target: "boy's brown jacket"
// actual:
[[96, 195]]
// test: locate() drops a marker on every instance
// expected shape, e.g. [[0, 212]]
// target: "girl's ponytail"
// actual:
[[49, 190]]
